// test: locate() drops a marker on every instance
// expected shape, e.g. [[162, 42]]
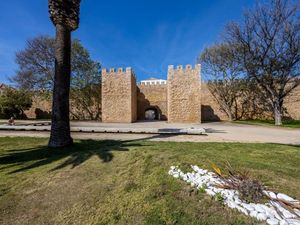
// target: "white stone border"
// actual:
[[268, 212]]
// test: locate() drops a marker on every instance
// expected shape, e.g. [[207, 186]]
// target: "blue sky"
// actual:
[[147, 35]]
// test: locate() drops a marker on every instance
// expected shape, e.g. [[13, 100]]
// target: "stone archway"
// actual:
[[151, 114]]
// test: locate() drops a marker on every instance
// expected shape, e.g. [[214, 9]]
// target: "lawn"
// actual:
[[126, 182], [286, 123]]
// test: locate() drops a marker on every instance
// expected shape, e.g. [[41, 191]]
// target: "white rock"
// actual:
[[273, 221], [237, 201], [247, 206], [271, 213], [283, 222], [253, 214], [263, 212], [272, 194], [277, 216], [242, 210], [176, 175], [210, 192], [284, 197], [293, 221], [288, 215], [261, 216], [259, 208], [232, 205]]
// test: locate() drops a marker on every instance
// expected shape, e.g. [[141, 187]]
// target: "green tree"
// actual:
[[65, 17], [85, 85], [235, 93], [37, 65], [223, 72], [14, 102], [36, 73], [269, 40]]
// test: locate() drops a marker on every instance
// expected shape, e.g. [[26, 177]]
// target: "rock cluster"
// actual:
[[272, 212]]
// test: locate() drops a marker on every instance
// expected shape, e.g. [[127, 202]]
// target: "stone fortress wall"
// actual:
[[154, 97], [119, 96], [210, 109], [40, 109], [125, 101], [292, 104], [178, 101], [184, 97]]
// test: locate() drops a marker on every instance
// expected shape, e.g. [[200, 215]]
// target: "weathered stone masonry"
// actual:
[[179, 101], [125, 101], [184, 97], [152, 97], [119, 96]]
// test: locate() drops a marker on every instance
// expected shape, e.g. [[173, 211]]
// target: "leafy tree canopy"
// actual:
[[14, 102], [37, 68], [36, 65]]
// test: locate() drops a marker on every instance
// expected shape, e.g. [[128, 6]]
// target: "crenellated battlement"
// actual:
[[151, 85], [118, 71], [187, 67], [184, 71]]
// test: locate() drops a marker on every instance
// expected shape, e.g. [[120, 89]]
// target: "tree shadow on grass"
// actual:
[[74, 155]]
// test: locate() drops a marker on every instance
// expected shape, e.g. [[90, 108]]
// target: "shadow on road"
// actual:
[[211, 130]]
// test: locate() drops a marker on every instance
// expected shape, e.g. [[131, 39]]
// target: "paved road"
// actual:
[[215, 132]]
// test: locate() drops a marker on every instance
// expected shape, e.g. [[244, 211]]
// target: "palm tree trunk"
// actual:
[[60, 126]]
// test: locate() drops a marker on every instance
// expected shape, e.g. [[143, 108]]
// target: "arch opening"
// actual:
[[152, 114]]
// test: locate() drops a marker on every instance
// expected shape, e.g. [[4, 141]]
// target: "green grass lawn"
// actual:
[[286, 123], [126, 182]]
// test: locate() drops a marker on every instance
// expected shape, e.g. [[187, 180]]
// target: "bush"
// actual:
[[14, 102]]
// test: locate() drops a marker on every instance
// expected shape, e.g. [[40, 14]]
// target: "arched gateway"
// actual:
[[152, 114], [177, 100]]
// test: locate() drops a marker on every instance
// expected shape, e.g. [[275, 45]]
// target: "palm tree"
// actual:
[[65, 17]]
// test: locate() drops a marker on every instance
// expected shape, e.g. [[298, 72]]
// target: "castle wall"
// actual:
[[292, 104], [152, 96], [184, 98], [41, 107], [119, 96], [210, 109], [133, 99]]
